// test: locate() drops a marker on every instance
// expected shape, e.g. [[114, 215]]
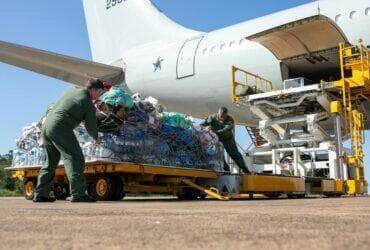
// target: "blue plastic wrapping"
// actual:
[[117, 97]]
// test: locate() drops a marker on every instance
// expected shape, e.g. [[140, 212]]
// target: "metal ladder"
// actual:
[[254, 134], [244, 83]]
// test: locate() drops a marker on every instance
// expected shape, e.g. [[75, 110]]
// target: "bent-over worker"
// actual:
[[223, 125], [74, 106]]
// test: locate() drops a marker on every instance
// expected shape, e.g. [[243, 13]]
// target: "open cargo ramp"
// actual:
[[306, 47]]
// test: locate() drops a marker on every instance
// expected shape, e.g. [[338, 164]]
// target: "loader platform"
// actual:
[[111, 181]]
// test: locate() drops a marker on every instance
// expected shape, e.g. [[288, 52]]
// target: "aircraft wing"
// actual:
[[65, 68]]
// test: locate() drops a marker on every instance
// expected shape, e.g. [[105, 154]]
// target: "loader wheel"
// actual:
[[61, 191], [273, 195], [104, 188], [296, 196], [91, 189], [190, 195], [202, 196], [29, 189], [117, 192], [333, 195]]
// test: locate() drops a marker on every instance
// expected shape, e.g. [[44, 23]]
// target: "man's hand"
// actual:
[[206, 122]]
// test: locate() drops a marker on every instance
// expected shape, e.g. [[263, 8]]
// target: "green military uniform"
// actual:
[[73, 107], [224, 131]]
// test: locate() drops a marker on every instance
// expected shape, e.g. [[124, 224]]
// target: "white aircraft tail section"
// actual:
[[116, 26]]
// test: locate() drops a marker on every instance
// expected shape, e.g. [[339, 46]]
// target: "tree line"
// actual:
[[8, 185]]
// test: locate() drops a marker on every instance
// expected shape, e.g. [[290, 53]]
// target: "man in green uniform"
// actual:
[[75, 106], [223, 125]]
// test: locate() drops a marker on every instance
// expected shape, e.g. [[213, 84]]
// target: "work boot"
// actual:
[[84, 198], [245, 171], [44, 199]]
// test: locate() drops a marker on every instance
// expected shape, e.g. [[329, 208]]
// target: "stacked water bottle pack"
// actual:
[[165, 146], [28, 152], [134, 129]]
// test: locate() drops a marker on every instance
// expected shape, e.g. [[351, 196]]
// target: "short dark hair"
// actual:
[[94, 83], [223, 110]]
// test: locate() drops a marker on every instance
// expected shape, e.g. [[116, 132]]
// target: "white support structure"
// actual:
[[297, 124], [320, 158]]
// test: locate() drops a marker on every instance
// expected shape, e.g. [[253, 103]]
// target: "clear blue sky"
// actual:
[[59, 26]]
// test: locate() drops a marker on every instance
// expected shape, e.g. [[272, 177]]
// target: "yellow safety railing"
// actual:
[[251, 83], [355, 58]]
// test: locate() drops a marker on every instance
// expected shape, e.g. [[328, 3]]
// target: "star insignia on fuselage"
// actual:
[[158, 64]]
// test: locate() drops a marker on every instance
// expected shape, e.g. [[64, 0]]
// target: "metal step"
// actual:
[[254, 134]]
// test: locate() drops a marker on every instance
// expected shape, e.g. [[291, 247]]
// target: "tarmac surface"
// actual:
[[316, 223]]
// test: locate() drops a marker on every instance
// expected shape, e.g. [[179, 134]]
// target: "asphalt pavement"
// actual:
[[316, 223]]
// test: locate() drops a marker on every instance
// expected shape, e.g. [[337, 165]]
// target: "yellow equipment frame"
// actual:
[[354, 86]]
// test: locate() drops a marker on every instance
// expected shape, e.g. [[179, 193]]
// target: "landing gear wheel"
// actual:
[[104, 188], [29, 189], [117, 192], [61, 191]]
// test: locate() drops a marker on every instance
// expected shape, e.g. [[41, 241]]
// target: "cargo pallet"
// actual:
[[112, 181]]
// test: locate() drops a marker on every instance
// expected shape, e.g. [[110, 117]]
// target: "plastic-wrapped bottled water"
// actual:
[[41, 156], [88, 151], [124, 158], [32, 157], [18, 158], [105, 154], [142, 139], [211, 150], [82, 135]]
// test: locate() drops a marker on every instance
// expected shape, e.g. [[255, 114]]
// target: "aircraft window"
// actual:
[[232, 43], [222, 46], [352, 15], [338, 17], [367, 11], [205, 51], [241, 41], [213, 48]]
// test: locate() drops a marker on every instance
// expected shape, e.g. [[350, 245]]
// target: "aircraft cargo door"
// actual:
[[186, 58]]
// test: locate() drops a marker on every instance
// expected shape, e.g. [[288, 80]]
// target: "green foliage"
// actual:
[[8, 186], [8, 193]]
